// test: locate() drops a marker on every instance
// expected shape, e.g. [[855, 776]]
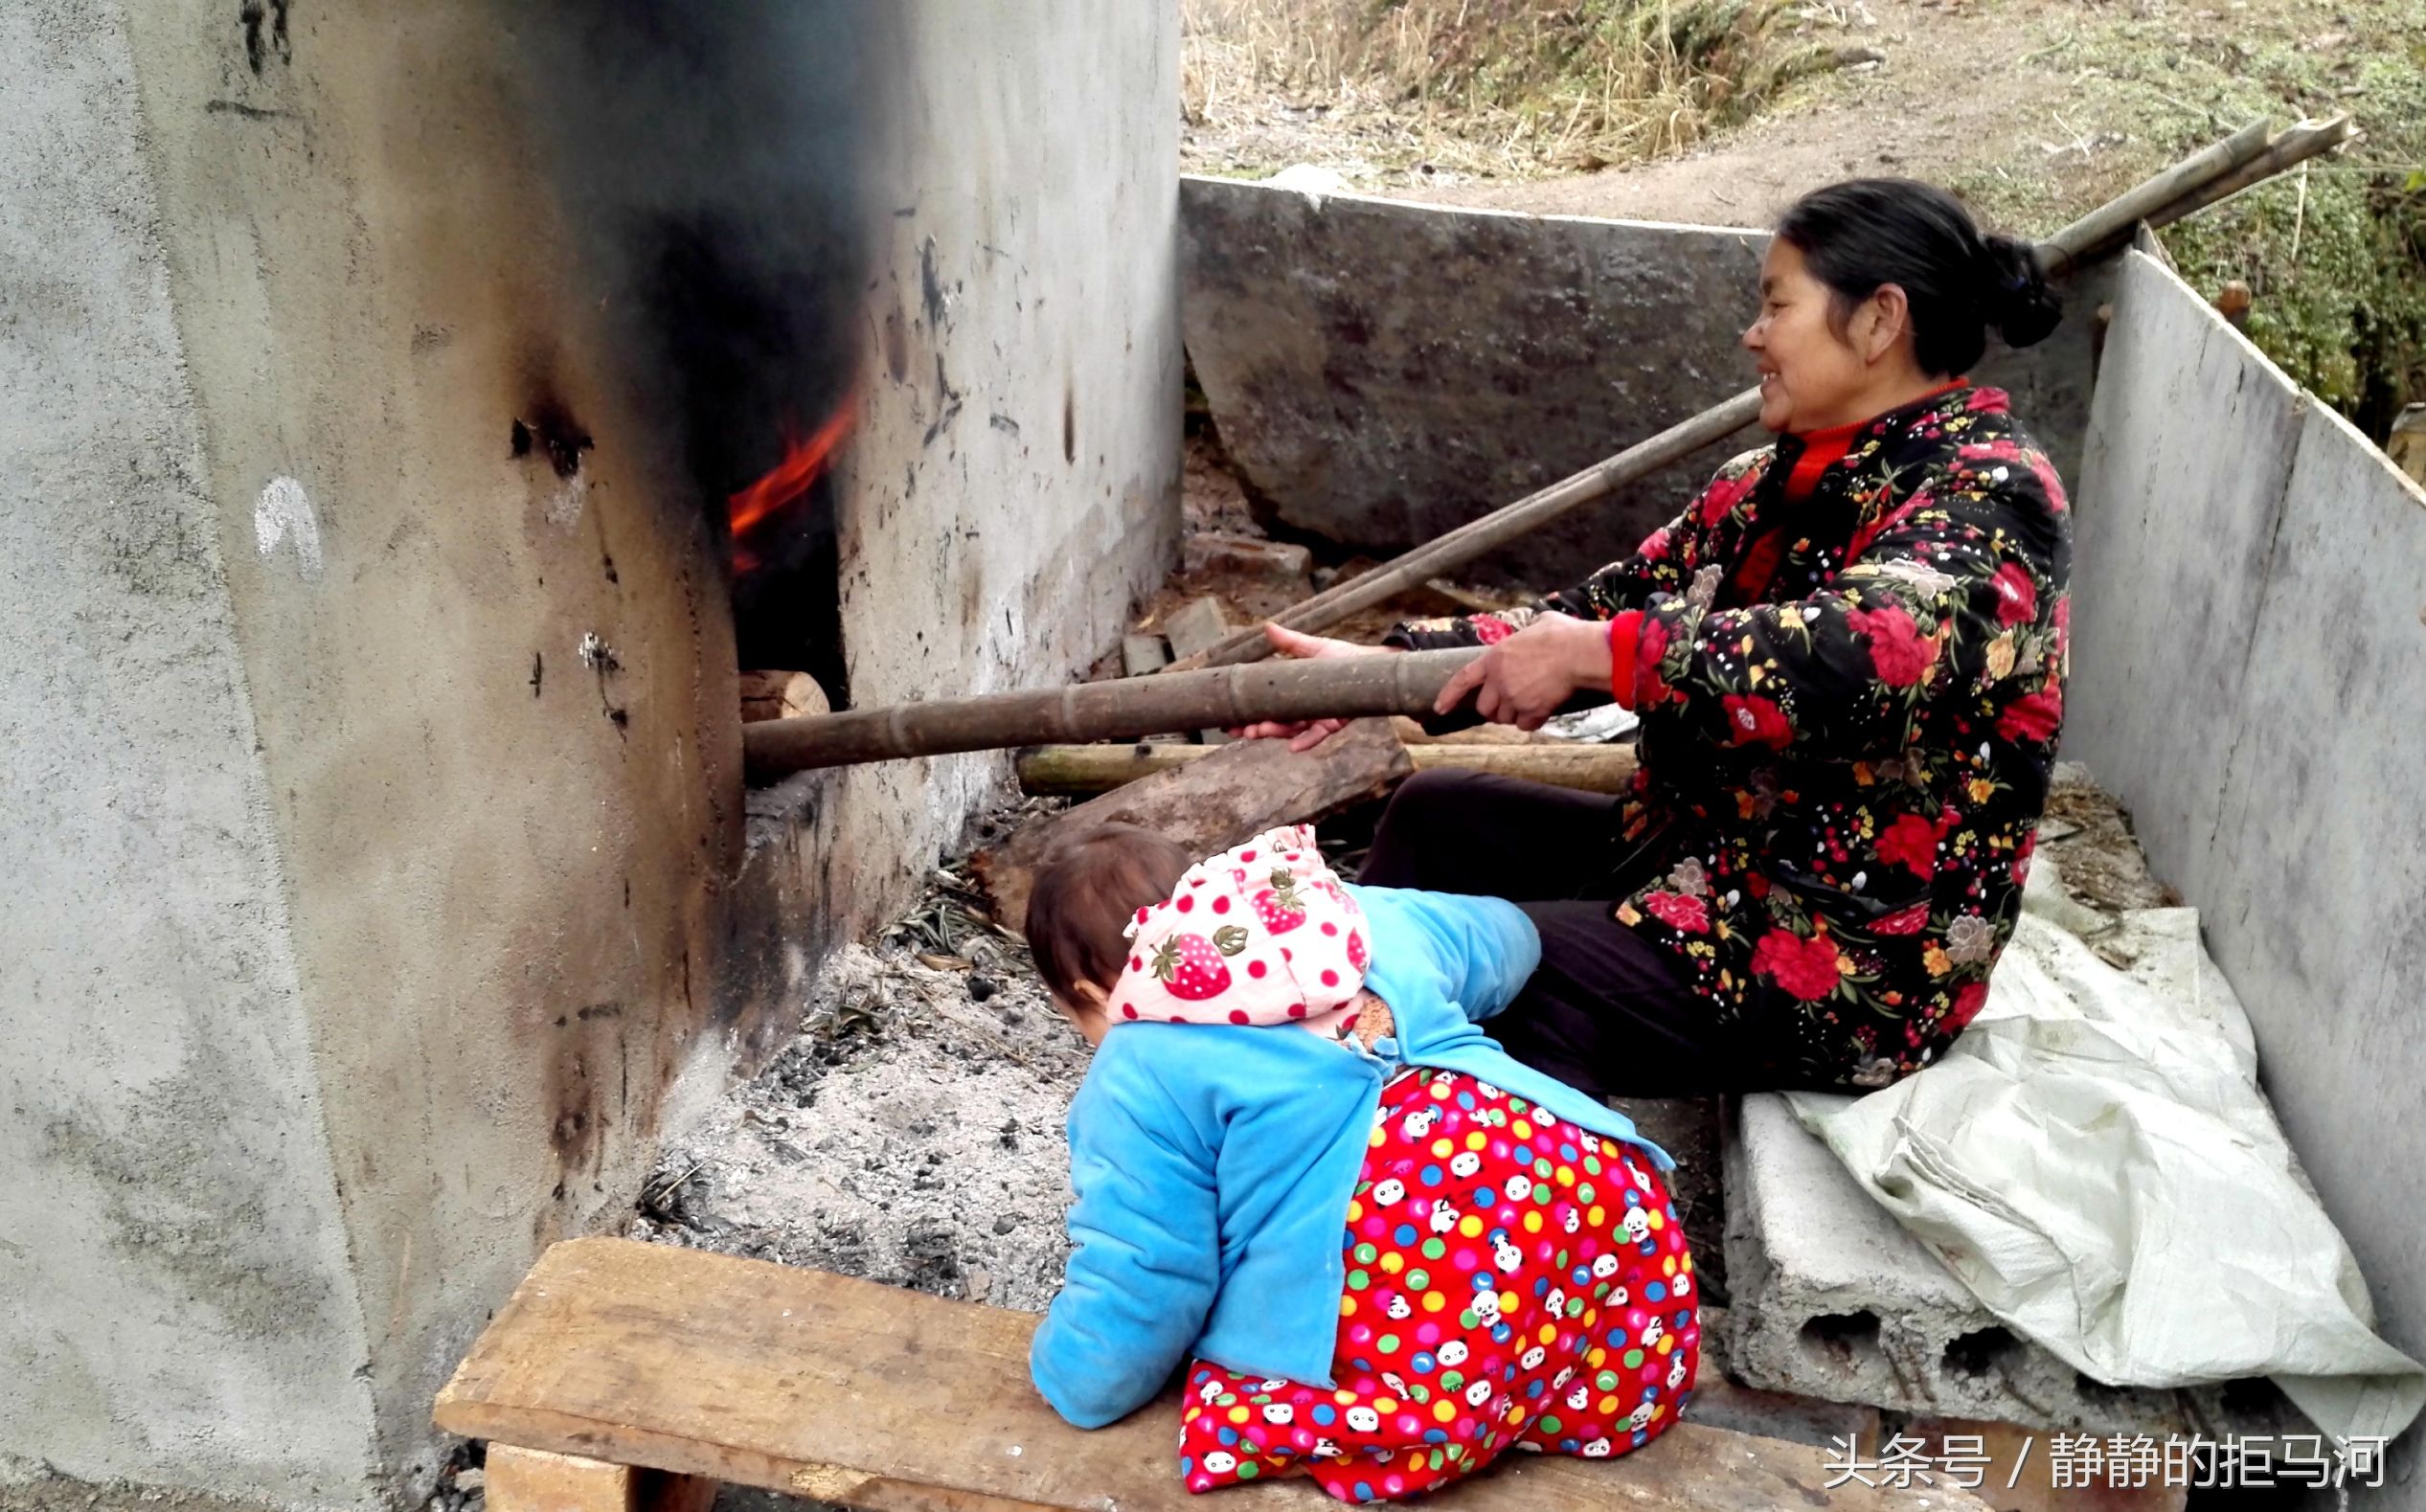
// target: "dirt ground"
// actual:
[[1931, 89], [2021, 102]]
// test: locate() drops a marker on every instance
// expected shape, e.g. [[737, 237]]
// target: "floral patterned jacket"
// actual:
[[1840, 784]]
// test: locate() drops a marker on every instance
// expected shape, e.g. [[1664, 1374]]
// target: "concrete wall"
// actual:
[[1382, 371], [2249, 677], [385, 885]]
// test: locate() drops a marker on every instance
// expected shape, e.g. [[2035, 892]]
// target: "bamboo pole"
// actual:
[[2094, 233], [1472, 539], [2298, 143], [2110, 225], [1120, 709], [1084, 771]]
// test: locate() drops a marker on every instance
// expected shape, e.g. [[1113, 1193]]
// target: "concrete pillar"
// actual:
[[181, 1306], [375, 834], [372, 783]]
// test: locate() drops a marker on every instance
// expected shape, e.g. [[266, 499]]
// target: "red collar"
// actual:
[[1824, 450]]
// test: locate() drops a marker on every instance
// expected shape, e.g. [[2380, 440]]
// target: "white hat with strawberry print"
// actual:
[[1263, 934]]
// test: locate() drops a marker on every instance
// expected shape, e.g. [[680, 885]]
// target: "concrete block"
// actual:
[[1720, 1401], [1196, 625], [1141, 654], [1833, 1299]]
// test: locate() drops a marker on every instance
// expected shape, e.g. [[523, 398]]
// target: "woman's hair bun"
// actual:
[[2017, 302]]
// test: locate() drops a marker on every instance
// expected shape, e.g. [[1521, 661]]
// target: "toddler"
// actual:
[[1393, 1253]]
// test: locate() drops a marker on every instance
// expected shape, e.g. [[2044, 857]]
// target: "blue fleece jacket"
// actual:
[[1214, 1163]]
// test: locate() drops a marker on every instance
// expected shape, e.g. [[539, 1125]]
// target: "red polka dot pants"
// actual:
[[1514, 1282]]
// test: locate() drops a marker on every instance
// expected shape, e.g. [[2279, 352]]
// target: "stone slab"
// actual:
[[1384, 371]]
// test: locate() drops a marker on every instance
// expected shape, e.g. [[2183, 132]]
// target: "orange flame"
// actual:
[[803, 461]]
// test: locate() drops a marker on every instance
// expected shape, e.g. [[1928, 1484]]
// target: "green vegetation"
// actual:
[[2335, 258]]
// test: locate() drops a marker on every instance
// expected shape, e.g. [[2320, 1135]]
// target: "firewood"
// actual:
[[1210, 801], [781, 695], [1077, 771]]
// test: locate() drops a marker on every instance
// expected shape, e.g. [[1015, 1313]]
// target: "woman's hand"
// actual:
[[1523, 679], [1299, 646]]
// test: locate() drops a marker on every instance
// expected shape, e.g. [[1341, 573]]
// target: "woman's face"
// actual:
[[1811, 376]]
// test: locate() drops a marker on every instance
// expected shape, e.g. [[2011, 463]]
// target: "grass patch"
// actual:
[[1498, 86]]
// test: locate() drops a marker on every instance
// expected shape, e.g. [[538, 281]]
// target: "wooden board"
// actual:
[[1211, 803], [894, 1401]]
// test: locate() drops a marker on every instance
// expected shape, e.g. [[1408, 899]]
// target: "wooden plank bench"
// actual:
[[630, 1377]]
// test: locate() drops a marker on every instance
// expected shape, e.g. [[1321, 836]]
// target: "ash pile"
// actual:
[[911, 1134]]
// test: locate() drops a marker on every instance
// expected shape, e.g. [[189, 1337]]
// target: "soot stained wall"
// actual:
[[1012, 485]]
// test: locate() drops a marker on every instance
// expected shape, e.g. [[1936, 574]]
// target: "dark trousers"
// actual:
[[1608, 1014]]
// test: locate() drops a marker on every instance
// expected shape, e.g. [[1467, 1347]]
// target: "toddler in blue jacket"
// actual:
[[1392, 1253]]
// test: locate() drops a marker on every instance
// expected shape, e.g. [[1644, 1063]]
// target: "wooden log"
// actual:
[[2158, 200], [2296, 144], [1209, 799], [1076, 770], [1122, 709], [781, 695]]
